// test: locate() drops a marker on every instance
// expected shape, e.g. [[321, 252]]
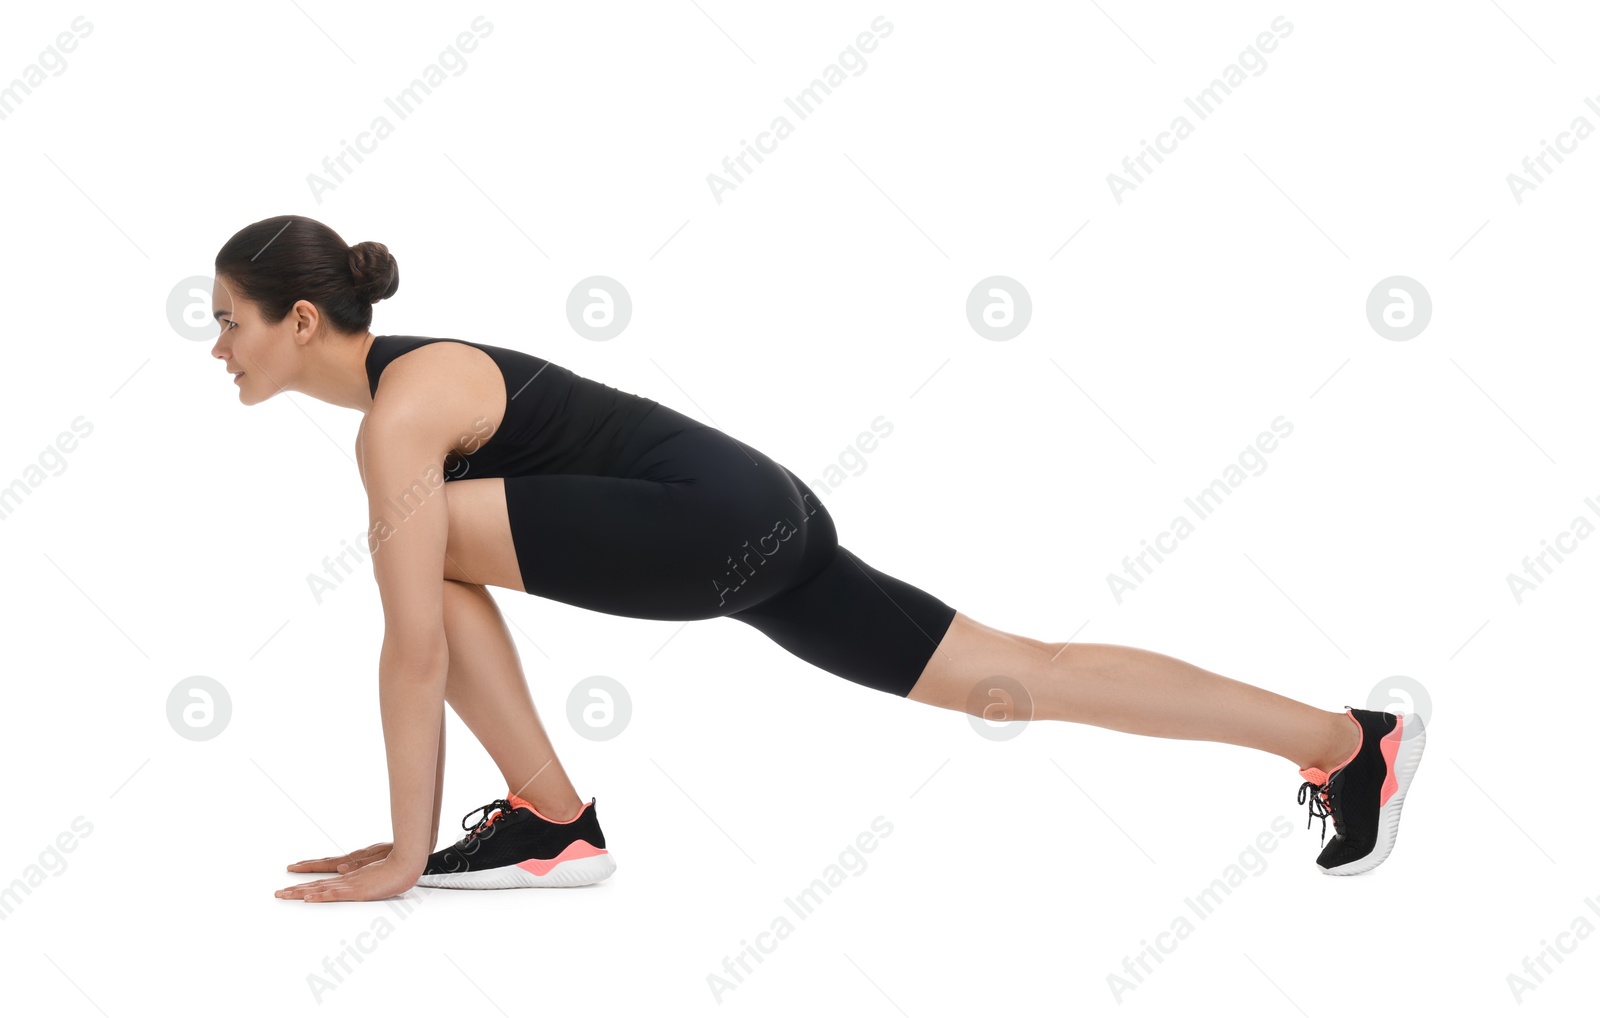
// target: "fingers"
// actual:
[[366, 887], [327, 864], [331, 889], [301, 890], [370, 883], [364, 857], [342, 863], [320, 892]]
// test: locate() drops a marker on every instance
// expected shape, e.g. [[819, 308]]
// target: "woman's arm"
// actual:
[[438, 774], [412, 425], [408, 509]]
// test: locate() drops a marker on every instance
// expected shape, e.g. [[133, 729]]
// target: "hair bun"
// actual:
[[375, 272]]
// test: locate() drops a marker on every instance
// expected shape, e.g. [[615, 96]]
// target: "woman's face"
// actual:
[[246, 344]]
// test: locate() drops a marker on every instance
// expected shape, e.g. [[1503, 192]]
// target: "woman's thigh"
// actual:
[[479, 548], [712, 527]]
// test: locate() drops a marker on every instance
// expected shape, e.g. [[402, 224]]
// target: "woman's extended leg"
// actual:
[[1130, 690]]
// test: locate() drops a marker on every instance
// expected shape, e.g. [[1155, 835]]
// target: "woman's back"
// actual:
[[556, 421]]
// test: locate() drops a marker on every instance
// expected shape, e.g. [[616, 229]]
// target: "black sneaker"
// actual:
[[515, 845], [1363, 795]]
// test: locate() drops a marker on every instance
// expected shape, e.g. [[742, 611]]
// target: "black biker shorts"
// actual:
[[692, 524]]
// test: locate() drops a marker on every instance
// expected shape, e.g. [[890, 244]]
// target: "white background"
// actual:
[[826, 290]]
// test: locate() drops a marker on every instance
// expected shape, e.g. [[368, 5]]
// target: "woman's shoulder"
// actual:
[[387, 348], [414, 370]]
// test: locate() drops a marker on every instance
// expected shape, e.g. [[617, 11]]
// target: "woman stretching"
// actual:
[[486, 466]]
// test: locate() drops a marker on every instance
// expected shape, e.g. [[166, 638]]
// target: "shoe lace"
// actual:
[[1318, 800], [490, 815]]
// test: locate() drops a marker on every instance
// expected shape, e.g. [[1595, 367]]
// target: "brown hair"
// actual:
[[277, 261]]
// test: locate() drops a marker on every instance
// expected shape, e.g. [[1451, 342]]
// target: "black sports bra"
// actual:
[[556, 421]]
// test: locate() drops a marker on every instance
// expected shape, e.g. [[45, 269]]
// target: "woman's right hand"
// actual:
[[347, 863]]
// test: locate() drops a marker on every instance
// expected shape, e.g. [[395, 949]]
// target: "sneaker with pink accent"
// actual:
[[514, 845], [1363, 795]]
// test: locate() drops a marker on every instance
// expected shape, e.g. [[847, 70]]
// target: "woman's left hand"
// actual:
[[372, 882]]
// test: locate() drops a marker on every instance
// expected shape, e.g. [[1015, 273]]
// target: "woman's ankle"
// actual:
[[560, 811], [1342, 739]]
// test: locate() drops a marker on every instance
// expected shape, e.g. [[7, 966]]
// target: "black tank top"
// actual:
[[556, 421]]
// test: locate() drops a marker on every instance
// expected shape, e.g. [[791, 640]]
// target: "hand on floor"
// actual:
[[371, 882], [343, 863]]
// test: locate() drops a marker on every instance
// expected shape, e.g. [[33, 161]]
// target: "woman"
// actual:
[[486, 466]]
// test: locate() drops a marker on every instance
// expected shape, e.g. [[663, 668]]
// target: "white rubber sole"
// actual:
[[571, 873], [1405, 766]]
